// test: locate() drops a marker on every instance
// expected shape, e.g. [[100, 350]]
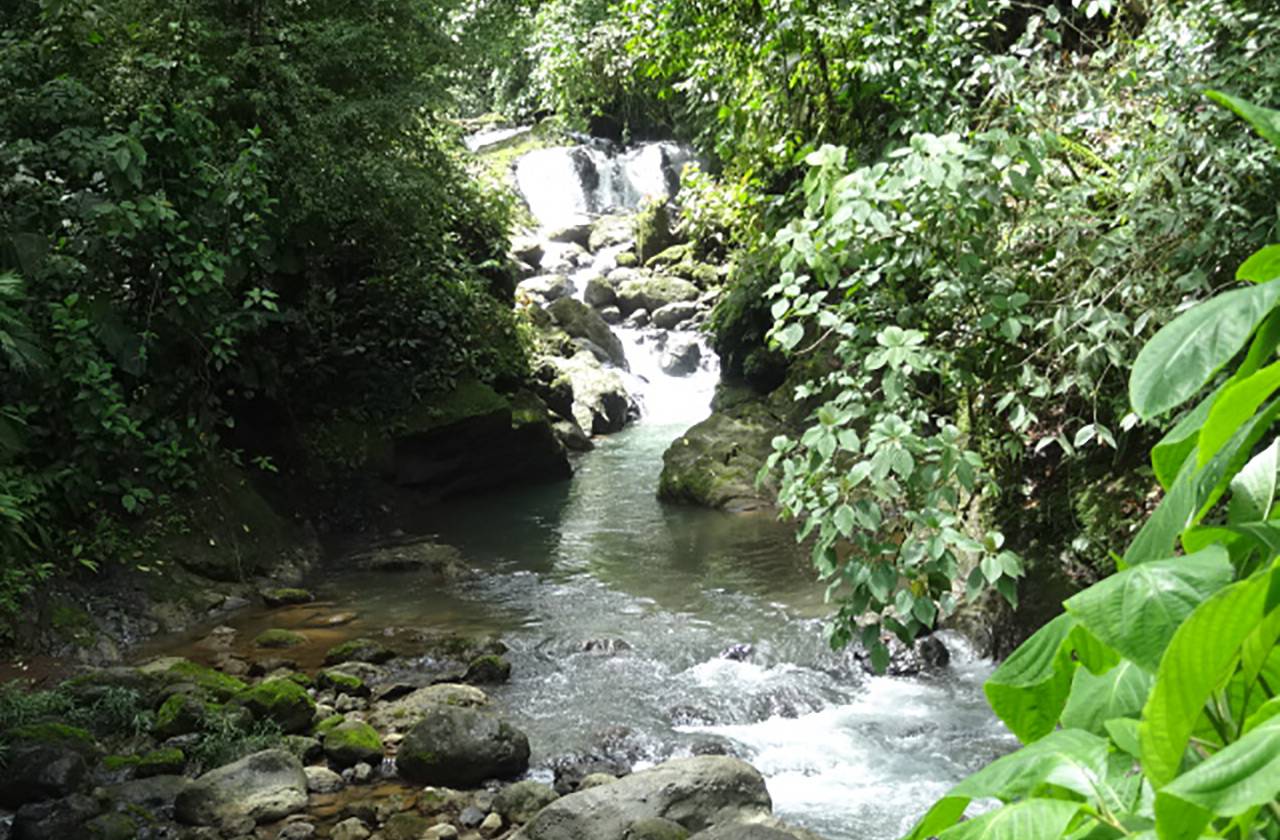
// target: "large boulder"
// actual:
[[281, 701], [694, 793], [581, 321], [599, 293], [45, 761], [352, 742], [769, 829], [461, 747], [610, 230], [59, 819], [264, 787], [653, 231], [401, 714], [715, 463], [475, 439], [601, 404], [654, 291], [545, 287]]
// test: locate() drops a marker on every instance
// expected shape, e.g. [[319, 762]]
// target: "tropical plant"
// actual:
[[1149, 708]]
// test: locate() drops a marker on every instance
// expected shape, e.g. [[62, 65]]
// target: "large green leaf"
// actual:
[[1137, 611], [1168, 456], [1187, 352], [1253, 489], [1069, 759], [1095, 700], [1237, 403], [1239, 777], [1262, 267], [1199, 659], [1033, 819], [1195, 491], [1029, 689], [1265, 121]]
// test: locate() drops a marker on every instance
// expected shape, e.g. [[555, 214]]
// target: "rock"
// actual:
[[361, 773], [674, 314], [352, 742], [611, 314], [349, 829], [581, 321], [471, 817], [545, 288], [265, 786], [572, 435], [297, 831], [596, 780], [155, 795], [740, 652], [460, 746], [695, 793], [272, 665], [162, 762], [579, 233], [306, 749], [111, 826], [405, 827], [599, 293], [443, 561], [280, 700], [279, 638], [403, 713], [601, 403], [767, 829], [610, 230], [927, 654], [653, 231], [653, 292], [488, 670], [605, 646], [323, 780], [681, 358], [570, 771], [359, 650], [933, 653], [715, 463], [56, 819], [172, 671], [636, 320], [671, 257], [627, 259], [656, 828], [521, 802], [441, 832], [526, 249], [475, 440], [340, 682], [45, 761], [286, 596], [491, 825]]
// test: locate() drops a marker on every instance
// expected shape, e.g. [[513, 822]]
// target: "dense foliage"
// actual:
[[1149, 708], [206, 207]]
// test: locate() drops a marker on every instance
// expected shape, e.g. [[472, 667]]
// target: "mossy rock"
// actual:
[[308, 750], [112, 825], [405, 827], [217, 685], [358, 650], [53, 734], [286, 596], [329, 723], [627, 259], [656, 828], [276, 638], [352, 742], [181, 714], [164, 762], [653, 231], [488, 670], [280, 700], [339, 682], [674, 255]]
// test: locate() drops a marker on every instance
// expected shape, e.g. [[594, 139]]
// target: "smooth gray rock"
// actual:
[[581, 321], [265, 786], [652, 292], [522, 801], [769, 829], [402, 714], [674, 314], [695, 793], [323, 780], [461, 747], [545, 287]]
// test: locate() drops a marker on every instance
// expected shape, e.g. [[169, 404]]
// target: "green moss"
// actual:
[[179, 715], [358, 650], [278, 638], [281, 701], [341, 683], [352, 742], [469, 399], [286, 596], [156, 763], [627, 259], [324, 726], [218, 685], [53, 733], [488, 669], [111, 826]]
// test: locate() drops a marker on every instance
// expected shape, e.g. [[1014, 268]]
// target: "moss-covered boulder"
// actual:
[[111, 826], [522, 801], [278, 638], [669, 257], [601, 404], [264, 787], [653, 231], [489, 669], [461, 747], [627, 259], [340, 682], [359, 650], [286, 597], [45, 761], [581, 321], [164, 762], [282, 701], [654, 291], [352, 742], [715, 463], [174, 671], [181, 714]]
